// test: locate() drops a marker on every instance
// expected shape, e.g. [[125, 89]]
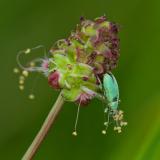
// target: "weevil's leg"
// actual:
[[76, 122]]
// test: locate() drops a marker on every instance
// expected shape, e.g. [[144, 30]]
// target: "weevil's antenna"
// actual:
[[76, 122]]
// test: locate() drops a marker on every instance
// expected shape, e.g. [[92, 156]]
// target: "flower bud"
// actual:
[[84, 98], [53, 80]]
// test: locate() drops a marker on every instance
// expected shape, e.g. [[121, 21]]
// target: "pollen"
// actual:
[[123, 123], [27, 51], [106, 123], [25, 73], [21, 81], [104, 132], [22, 78], [16, 70], [31, 96], [21, 87], [32, 64], [74, 133]]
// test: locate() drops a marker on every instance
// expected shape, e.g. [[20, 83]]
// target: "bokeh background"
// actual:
[[28, 23]]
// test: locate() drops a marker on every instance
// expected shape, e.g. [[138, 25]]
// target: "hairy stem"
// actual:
[[44, 129]]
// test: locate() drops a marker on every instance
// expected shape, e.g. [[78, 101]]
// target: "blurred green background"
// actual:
[[28, 23]]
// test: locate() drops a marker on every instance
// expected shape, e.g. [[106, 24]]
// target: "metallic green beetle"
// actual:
[[111, 91], [111, 94]]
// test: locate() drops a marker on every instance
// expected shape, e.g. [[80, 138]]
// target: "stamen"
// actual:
[[21, 81], [27, 51], [25, 73], [74, 133], [21, 87], [76, 122], [31, 96], [106, 123], [104, 132], [22, 77], [32, 64], [16, 70]]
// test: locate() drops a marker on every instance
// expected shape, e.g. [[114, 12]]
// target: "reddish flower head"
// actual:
[[53, 79]]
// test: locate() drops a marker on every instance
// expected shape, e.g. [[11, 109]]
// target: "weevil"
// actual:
[[111, 95], [111, 91]]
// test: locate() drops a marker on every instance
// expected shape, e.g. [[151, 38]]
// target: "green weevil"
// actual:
[[111, 95], [111, 91]]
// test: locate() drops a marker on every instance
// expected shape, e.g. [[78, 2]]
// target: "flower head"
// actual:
[[89, 52], [76, 65]]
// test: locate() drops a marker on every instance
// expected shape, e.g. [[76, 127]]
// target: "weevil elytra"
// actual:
[[111, 90]]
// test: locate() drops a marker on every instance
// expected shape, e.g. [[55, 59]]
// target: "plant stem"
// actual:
[[44, 129]]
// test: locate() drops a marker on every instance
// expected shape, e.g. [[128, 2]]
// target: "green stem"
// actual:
[[44, 129]]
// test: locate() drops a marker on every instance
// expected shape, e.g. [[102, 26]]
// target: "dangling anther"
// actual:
[[16, 70], [32, 64], [21, 87], [76, 122], [25, 73], [104, 132], [106, 123], [27, 51], [21, 81], [74, 133], [31, 96]]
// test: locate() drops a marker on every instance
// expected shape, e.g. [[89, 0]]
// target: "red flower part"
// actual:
[[101, 19], [84, 98], [45, 64], [85, 78], [114, 28], [53, 80], [108, 54], [115, 42], [99, 69]]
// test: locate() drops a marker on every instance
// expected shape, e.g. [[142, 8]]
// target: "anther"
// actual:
[[21, 87], [16, 70], [106, 110], [21, 81], [31, 96], [119, 131], [104, 132], [120, 112], [123, 123], [74, 133], [21, 78], [106, 123], [27, 51], [25, 73], [32, 64], [115, 128]]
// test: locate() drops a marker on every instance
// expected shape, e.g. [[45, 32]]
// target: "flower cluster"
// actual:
[[79, 61], [76, 65]]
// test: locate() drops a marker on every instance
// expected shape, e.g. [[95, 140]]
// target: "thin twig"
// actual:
[[44, 129]]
